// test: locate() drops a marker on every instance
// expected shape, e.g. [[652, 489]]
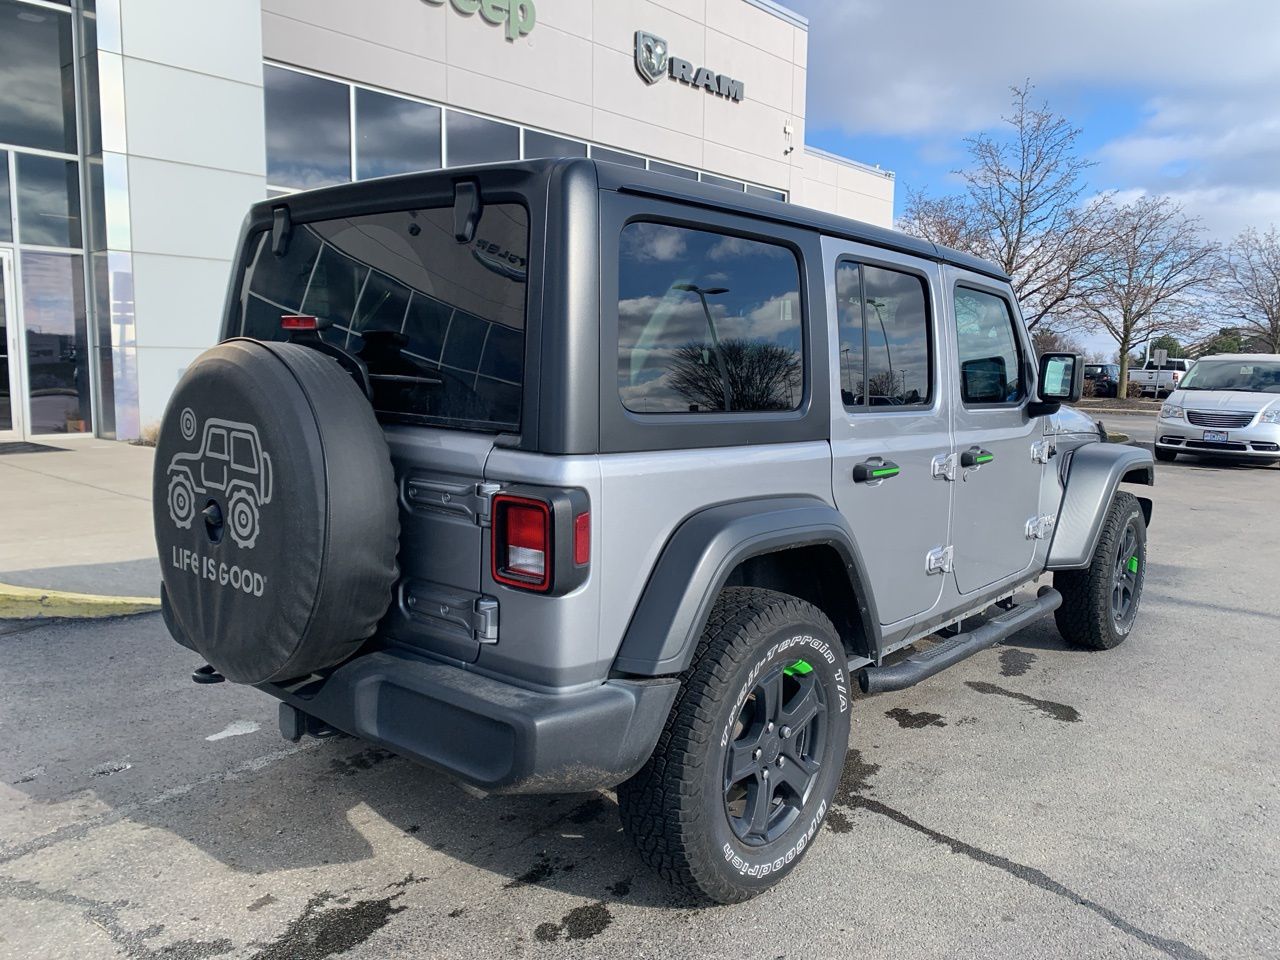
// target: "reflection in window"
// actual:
[[990, 369], [735, 185], [884, 337], [707, 322], [766, 193], [38, 105], [439, 324], [308, 129], [658, 167], [6, 211], [394, 135], [477, 140], [545, 145], [48, 201], [53, 310]]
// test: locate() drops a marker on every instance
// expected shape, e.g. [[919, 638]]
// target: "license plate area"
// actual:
[[1215, 436]]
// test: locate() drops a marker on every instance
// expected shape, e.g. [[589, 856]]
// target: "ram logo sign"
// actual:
[[653, 62]]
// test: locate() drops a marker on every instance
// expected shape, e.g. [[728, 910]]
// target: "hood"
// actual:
[[1241, 400], [1071, 420]]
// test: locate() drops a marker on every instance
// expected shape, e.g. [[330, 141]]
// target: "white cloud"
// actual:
[[1206, 71]]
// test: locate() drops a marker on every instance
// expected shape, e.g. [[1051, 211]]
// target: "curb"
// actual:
[[30, 603]]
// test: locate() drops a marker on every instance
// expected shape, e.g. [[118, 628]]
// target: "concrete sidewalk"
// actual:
[[78, 518]]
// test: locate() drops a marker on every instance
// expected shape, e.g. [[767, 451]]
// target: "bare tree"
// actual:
[[1022, 208], [1148, 279], [1249, 285], [761, 375]]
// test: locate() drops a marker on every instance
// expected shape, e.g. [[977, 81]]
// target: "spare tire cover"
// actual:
[[275, 511]]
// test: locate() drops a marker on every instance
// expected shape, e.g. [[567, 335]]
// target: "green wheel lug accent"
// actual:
[[798, 669], [1132, 564]]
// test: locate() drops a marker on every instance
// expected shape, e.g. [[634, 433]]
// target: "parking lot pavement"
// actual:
[[1034, 801]]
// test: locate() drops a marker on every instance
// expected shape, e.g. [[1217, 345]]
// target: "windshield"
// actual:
[[1253, 376], [439, 324]]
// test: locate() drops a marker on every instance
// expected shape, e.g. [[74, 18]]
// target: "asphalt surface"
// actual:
[[1033, 801]]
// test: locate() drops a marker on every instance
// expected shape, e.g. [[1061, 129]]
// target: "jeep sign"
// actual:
[[520, 16], [653, 62]]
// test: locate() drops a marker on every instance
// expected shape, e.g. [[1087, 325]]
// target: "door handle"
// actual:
[[975, 457], [875, 470]]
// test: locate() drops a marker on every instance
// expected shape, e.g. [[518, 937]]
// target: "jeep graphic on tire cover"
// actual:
[[275, 512]]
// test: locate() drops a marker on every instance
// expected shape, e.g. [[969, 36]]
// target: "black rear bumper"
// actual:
[[490, 734]]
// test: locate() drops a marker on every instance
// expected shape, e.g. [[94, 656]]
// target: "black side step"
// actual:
[[951, 651]]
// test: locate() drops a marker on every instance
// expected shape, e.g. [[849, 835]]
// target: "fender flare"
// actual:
[[1093, 474], [701, 554]]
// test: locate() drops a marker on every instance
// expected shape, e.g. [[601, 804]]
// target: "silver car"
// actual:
[[1227, 406]]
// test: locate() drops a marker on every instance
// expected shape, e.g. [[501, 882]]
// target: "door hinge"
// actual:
[[943, 467], [454, 610], [1042, 451], [939, 560], [448, 495], [1040, 528]]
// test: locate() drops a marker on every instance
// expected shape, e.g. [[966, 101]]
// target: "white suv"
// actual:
[[1228, 405]]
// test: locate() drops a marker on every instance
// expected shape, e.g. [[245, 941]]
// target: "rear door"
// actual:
[[439, 325], [997, 489], [890, 421]]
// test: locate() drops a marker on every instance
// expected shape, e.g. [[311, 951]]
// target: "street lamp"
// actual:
[[888, 355], [702, 293]]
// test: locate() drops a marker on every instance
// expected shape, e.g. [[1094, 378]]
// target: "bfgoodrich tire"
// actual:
[[1100, 604], [744, 772]]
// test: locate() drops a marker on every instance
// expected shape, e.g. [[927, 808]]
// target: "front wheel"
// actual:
[[1166, 456], [1100, 604], [747, 766]]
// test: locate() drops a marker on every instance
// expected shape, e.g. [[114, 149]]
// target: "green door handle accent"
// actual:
[[874, 470], [975, 457]]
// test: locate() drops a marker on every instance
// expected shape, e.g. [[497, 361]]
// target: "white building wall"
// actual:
[[194, 143]]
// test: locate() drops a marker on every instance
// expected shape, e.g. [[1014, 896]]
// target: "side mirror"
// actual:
[[1061, 381]]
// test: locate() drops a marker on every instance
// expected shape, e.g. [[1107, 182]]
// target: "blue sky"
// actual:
[[1180, 97]]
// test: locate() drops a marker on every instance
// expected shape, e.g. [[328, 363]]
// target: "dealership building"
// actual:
[[134, 134]]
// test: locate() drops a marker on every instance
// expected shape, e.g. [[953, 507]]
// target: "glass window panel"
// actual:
[[849, 316], [715, 181], [545, 145], [53, 309], [990, 361], [6, 209], [308, 129], [766, 193], [477, 140], [896, 319], [394, 135], [707, 322], [658, 167], [465, 307], [48, 201], [6, 389], [37, 80], [613, 156]]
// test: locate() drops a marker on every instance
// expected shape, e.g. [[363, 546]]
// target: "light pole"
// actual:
[[702, 293], [888, 356]]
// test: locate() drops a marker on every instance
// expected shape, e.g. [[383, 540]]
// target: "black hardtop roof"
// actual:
[[385, 192], [616, 176]]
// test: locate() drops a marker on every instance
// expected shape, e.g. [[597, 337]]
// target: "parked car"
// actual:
[[1160, 379], [1226, 406], [582, 478], [1105, 378]]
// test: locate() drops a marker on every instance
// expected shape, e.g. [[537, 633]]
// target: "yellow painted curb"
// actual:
[[29, 603]]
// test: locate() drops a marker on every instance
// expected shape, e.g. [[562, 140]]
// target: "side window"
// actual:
[[883, 316], [990, 362], [707, 322], [217, 444]]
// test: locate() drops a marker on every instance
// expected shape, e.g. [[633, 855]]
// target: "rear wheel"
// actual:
[[1100, 604], [1166, 456], [745, 771]]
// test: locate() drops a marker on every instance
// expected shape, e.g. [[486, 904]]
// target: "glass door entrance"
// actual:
[[11, 394]]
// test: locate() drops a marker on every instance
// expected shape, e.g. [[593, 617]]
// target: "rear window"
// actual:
[[440, 325]]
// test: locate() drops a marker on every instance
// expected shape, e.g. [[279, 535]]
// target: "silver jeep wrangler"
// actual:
[[584, 477]]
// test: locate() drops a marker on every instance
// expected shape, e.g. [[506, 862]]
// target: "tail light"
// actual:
[[541, 539]]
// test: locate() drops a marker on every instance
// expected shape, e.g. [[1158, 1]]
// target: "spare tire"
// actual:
[[275, 512]]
